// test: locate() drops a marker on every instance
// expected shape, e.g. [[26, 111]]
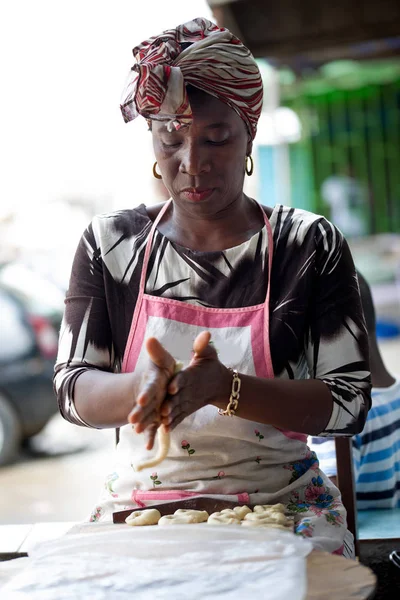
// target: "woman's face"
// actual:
[[203, 165]]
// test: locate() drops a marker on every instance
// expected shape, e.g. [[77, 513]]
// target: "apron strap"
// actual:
[[267, 348], [142, 284], [149, 244]]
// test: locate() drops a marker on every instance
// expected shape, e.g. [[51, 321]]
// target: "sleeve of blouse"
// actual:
[[336, 341], [85, 338]]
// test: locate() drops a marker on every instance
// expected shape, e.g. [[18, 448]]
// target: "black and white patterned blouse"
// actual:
[[316, 323]]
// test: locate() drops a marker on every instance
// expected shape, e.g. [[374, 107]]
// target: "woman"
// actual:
[[275, 288]]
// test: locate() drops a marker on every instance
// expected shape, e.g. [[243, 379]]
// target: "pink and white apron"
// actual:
[[227, 457]]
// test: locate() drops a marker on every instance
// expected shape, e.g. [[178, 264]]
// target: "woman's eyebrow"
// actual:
[[219, 125]]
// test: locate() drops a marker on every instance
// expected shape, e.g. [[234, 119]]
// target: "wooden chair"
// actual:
[[377, 530], [346, 483]]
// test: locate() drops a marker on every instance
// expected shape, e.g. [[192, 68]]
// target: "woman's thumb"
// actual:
[[202, 346], [159, 355]]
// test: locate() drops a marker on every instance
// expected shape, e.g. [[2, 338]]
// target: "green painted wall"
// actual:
[[359, 128]]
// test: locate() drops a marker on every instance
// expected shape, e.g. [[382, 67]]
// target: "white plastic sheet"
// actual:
[[154, 563]]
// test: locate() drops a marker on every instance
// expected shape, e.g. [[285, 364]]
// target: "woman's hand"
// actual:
[[206, 380], [152, 391]]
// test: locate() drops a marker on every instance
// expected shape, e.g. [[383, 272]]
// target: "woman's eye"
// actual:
[[218, 142], [171, 144]]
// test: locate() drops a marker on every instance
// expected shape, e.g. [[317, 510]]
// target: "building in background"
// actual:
[[329, 136], [339, 71], [350, 115]]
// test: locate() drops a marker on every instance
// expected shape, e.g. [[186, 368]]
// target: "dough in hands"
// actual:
[[164, 442], [149, 516], [163, 439], [184, 516], [225, 517]]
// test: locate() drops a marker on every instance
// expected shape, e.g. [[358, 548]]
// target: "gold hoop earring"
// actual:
[[156, 175], [246, 168]]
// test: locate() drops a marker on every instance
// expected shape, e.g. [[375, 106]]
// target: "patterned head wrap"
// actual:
[[196, 53]]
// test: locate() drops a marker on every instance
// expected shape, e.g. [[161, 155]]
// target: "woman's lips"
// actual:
[[196, 195]]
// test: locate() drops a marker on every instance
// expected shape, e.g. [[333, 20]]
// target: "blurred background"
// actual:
[[328, 141]]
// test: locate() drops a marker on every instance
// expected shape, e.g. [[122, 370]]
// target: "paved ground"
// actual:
[[56, 488], [65, 487]]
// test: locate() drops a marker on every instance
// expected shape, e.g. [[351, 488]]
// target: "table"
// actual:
[[380, 524], [330, 577], [333, 577]]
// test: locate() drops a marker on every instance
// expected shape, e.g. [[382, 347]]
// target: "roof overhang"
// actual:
[[313, 30]]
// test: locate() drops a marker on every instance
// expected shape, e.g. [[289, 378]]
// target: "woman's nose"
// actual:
[[194, 160]]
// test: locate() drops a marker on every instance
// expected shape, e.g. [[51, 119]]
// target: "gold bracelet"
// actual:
[[233, 403]]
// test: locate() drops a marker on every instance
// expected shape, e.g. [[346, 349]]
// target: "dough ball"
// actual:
[[270, 507], [184, 516], [257, 516], [173, 520], [263, 523], [274, 517], [149, 516], [195, 516], [269, 518], [229, 512], [225, 517], [240, 511]]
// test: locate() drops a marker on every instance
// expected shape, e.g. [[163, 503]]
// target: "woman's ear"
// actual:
[[249, 147]]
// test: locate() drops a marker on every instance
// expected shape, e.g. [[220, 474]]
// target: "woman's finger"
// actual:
[[143, 424], [172, 414], [159, 355], [181, 380], [169, 406], [150, 434], [201, 342], [141, 413], [148, 394], [203, 347], [166, 408]]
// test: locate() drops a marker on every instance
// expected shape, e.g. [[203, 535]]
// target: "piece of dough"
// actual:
[[184, 516], [163, 439], [229, 512], [192, 513], [173, 520], [270, 507], [149, 516], [225, 517], [241, 511], [164, 442], [273, 517], [264, 523]]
